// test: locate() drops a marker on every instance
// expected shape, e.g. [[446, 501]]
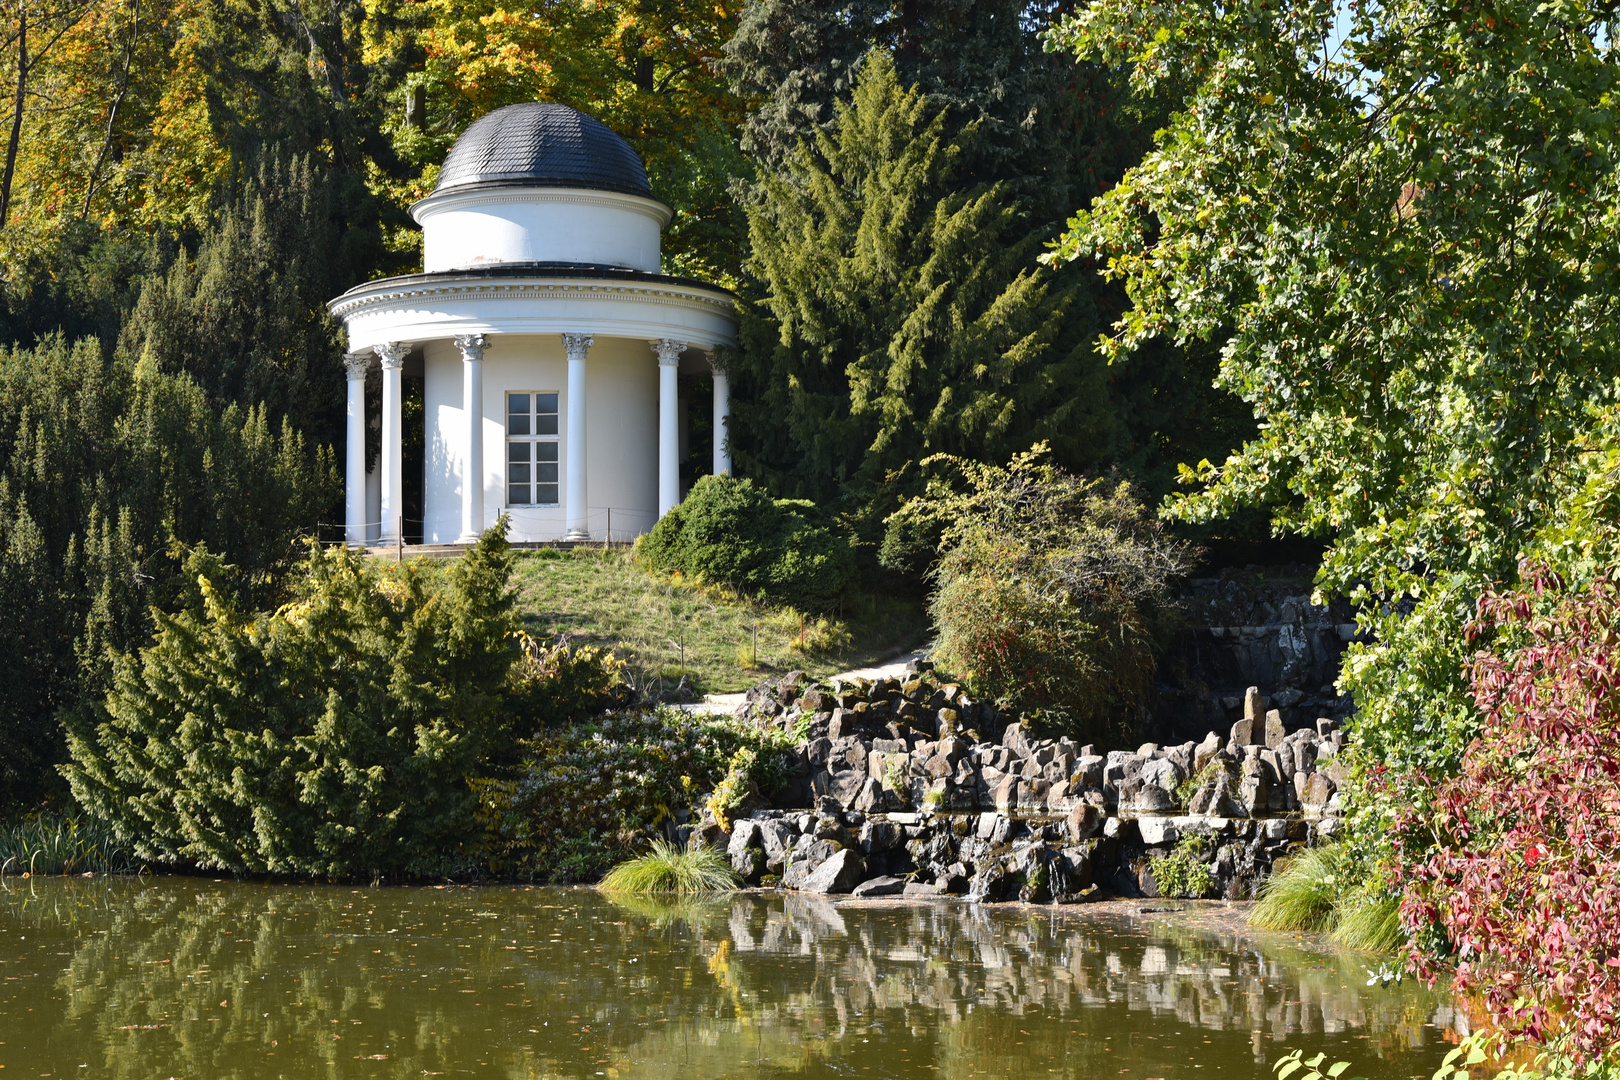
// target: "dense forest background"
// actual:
[[187, 182]]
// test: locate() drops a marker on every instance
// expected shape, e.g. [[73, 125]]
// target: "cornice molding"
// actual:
[[454, 199], [383, 295]]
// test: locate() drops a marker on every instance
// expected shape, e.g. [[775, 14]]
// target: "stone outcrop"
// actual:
[[911, 785]]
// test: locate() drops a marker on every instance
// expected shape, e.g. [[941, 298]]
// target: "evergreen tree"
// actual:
[[903, 315], [246, 315], [332, 736], [104, 466]]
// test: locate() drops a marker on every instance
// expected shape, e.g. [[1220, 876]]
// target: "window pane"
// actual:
[[545, 424], [517, 403], [517, 451], [518, 495], [545, 403], [517, 424], [517, 474], [545, 494], [545, 472], [545, 451]]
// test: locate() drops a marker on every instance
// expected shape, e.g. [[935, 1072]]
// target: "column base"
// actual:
[[576, 535], [467, 538]]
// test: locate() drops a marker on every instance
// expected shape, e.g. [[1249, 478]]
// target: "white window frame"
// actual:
[[529, 442]]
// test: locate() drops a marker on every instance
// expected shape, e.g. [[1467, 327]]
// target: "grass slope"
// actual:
[[607, 598]]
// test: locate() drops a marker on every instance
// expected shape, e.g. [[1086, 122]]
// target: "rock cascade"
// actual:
[[898, 789]]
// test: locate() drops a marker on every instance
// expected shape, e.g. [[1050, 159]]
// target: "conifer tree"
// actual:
[[332, 736], [104, 466], [903, 313]]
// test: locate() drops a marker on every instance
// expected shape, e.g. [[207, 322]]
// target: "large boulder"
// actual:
[[840, 873], [886, 885]]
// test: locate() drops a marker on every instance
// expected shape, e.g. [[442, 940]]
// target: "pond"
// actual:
[[203, 980]]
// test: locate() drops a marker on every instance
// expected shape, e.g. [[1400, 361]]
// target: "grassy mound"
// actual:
[[669, 626]]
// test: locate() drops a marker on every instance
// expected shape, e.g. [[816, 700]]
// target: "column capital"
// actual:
[[392, 354], [576, 344], [719, 362], [472, 346], [357, 364], [668, 351]]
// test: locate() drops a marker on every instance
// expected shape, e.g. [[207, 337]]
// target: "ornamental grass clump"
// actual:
[[694, 870]]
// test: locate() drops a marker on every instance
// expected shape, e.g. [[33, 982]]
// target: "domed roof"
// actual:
[[543, 144]]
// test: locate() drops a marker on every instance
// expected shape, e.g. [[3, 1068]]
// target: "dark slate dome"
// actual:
[[543, 144]]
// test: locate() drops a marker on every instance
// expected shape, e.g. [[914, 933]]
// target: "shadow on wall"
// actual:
[[1254, 626]]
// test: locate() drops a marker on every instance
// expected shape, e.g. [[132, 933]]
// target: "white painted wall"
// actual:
[[621, 397], [464, 230]]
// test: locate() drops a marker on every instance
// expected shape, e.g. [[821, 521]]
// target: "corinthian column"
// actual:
[[668, 352], [392, 354], [722, 417], [354, 473], [576, 508], [472, 397]]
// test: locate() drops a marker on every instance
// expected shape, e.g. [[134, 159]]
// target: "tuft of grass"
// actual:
[[49, 843], [1318, 890], [667, 869], [668, 622], [1304, 892], [1371, 924]]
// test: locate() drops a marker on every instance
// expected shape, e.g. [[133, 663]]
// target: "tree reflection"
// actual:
[[191, 978]]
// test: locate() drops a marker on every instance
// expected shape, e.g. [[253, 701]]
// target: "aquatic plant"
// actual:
[[49, 843], [696, 869]]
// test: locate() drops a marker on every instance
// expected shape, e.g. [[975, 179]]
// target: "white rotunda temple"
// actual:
[[548, 343]]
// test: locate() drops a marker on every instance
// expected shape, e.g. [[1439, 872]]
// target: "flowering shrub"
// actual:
[[1516, 859], [589, 794]]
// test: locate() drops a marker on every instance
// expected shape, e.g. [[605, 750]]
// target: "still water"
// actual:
[[202, 980]]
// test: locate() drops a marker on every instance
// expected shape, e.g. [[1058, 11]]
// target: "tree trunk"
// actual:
[[16, 116]]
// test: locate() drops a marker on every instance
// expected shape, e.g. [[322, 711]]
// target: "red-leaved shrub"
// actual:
[[1520, 863]]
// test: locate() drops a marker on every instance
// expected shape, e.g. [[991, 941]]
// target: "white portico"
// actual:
[[549, 346]]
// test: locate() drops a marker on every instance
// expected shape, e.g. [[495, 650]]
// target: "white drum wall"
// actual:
[[467, 230]]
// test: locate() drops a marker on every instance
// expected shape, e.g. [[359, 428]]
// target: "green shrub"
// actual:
[[334, 736], [1049, 589], [730, 532], [589, 794], [1183, 873], [697, 869]]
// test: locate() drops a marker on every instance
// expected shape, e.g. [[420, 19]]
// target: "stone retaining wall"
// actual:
[[895, 789]]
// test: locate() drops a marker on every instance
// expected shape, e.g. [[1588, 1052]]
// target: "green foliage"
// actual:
[[1329, 890], [1406, 249], [731, 532], [1048, 588], [333, 736], [1184, 873], [697, 869], [51, 843], [561, 682], [105, 467], [590, 793], [1313, 1069]]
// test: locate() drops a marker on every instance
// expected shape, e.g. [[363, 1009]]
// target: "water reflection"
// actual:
[[199, 979]]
